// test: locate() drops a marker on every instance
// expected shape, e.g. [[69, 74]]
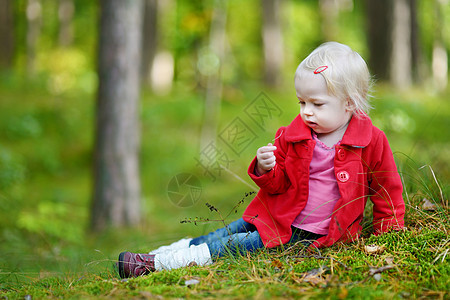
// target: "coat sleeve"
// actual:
[[275, 181], [385, 188]]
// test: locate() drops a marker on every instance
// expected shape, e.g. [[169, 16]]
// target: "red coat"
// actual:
[[364, 167]]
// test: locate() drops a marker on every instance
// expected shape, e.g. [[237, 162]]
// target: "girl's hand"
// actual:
[[266, 158]]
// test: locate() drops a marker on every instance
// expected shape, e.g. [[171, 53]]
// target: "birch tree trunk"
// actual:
[[401, 67], [116, 199]]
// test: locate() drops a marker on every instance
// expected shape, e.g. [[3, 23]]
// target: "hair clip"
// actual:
[[320, 69]]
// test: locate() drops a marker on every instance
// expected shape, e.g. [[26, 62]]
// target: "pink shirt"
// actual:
[[323, 191]]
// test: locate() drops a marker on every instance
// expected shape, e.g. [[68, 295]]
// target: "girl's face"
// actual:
[[322, 112]]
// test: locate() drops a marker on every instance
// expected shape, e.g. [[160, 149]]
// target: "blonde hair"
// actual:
[[345, 72]]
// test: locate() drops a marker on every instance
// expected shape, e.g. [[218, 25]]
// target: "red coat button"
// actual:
[[341, 154], [343, 176]]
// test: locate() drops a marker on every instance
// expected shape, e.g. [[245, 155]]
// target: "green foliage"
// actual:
[[12, 169]]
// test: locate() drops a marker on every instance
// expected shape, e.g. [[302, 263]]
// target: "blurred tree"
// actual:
[[272, 41], [211, 60], [66, 12], [379, 16], [440, 57], [6, 34], [329, 11], [116, 198], [418, 72], [34, 23], [393, 40], [149, 38], [160, 64], [401, 55]]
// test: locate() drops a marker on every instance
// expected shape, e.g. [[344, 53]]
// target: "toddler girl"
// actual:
[[314, 181]]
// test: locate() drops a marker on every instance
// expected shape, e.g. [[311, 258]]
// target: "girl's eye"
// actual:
[[318, 104], [301, 102]]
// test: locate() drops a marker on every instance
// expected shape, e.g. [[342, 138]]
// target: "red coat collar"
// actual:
[[358, 133]]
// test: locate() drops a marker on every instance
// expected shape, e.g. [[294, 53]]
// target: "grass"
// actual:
[[48, 252], [411, 266]]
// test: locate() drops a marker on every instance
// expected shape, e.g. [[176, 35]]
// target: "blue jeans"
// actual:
[[241, 237]]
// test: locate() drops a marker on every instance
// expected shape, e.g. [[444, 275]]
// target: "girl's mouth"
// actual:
[[311, 124]]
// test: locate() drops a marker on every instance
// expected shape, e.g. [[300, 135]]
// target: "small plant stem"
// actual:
[[239, 178]]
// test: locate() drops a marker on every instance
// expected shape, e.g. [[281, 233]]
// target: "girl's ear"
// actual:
[[349, 105]]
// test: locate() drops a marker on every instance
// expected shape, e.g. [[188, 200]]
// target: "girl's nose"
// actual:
[[307, 110]]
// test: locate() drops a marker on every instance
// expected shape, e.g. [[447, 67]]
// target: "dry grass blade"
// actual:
[[445, 247], [443, 201]]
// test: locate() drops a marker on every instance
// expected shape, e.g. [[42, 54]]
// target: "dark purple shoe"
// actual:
[[135, 264]]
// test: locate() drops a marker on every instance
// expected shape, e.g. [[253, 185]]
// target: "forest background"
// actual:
[[209, 69]]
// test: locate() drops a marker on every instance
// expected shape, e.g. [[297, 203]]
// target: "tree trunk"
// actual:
[[272, 41], [379, 17], [149, 38], [401, 68], [65, 14], [6, 34], [116, 199], [416, 54]]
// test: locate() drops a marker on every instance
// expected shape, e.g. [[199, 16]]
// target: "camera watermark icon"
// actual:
[[184, 190]]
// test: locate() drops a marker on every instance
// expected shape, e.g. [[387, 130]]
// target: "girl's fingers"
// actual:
[[268, 148], [268, 161], [270, 145], [268, 166], [266, 155]]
